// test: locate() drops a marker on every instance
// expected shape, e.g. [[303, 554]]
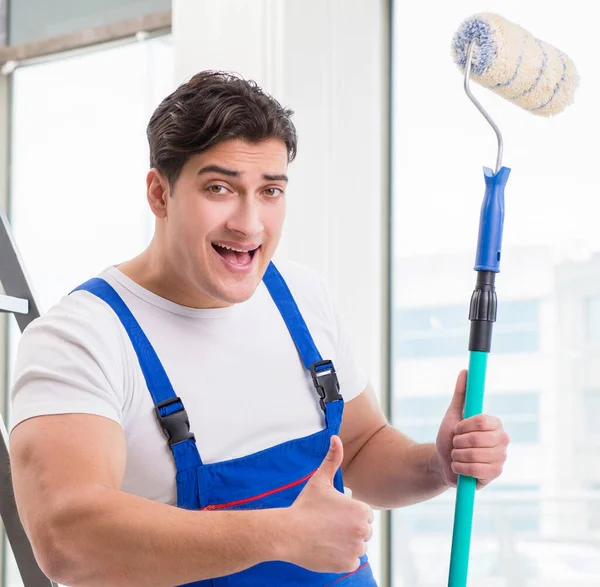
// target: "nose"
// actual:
[[246, 218]]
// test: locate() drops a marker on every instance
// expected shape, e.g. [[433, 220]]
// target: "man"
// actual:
[[245, 370]]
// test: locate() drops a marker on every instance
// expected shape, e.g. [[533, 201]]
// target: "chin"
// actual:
[[238, 293]]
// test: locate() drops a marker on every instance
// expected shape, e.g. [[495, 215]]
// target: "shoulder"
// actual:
[[79, 334], [77, 316], [71, 359], [315, 305], [296, 274], [307, 288]]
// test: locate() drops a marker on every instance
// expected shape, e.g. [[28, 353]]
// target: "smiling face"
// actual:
[[220, 223]]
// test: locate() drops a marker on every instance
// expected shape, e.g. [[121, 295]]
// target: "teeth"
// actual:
[[233, 249]]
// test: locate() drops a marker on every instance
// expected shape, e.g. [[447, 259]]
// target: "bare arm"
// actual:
[[67, 471], [387, 469], [383, 466], [85, 532]]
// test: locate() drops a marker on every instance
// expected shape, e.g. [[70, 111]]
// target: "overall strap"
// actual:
[[169, 408], [322, 371]]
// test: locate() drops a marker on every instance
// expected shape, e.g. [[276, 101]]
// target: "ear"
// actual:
[[157, 192]]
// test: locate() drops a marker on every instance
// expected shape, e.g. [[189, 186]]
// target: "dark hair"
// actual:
[[211, 107]]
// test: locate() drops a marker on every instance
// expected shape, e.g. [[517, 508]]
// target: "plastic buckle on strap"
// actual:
[[326, 382], [175, 425]]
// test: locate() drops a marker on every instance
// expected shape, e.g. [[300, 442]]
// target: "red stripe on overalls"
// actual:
[[348, 575], [223, 506]]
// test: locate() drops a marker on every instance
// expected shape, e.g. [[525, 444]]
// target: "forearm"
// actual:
[[108, 537], [391, 471]]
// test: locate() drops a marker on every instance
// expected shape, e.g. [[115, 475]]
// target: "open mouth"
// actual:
[[237, 256]]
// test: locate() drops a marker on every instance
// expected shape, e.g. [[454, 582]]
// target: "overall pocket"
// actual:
[[282, 496]]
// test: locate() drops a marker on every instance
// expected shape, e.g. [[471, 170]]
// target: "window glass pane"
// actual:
[[593, 509], [79, 159], [591, 415], [522, 431], [420, 535], [86, 141], [33, 20], [518, 404], [593, 321], [538, 524], [411, 408], [2, 22], [444, 331]]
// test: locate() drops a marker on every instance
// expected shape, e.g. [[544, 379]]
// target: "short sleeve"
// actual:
[[70, 361]]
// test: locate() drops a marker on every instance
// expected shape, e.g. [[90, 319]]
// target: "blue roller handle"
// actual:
[[491, 221], [487, 258]]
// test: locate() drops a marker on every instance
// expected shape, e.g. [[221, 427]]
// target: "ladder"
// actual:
[[18, 300]]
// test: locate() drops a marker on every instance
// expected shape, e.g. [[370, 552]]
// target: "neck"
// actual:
[[153, 271]]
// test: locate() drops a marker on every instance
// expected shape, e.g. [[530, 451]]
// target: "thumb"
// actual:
[[457, 405], [332, 461]]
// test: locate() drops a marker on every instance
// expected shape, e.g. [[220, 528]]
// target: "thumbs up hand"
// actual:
[[329, 530], [475, 447]]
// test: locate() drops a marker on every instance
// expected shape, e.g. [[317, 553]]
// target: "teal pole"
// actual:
[[465, 491]]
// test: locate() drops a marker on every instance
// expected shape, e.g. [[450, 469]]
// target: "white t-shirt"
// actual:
[[236, 369]]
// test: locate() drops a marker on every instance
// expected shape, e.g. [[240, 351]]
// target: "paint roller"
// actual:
[[513, 63], [540, 78]]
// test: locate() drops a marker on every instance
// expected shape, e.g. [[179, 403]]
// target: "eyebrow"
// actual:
[[233, 173], [218, 169], [275, 177]]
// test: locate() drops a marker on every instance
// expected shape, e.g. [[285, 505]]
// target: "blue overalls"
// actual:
[[273, 477]]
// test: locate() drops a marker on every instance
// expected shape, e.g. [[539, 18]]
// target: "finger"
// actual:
[[370, 514], [482, 471], [369, 534], [479, 455], [360, 549], [458, 398], [479, 423], [332, 461], [480, 439]]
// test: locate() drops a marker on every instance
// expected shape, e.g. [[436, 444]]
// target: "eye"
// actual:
[[273, 192], [217, 189]]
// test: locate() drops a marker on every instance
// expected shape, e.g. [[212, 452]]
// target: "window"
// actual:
[[517, 506], [519, 413], [540, 533], [90, 132], [503, 513], [591, 414], [593, 508], [79, 158], [593, 321], [444, 331], [420, 417]]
